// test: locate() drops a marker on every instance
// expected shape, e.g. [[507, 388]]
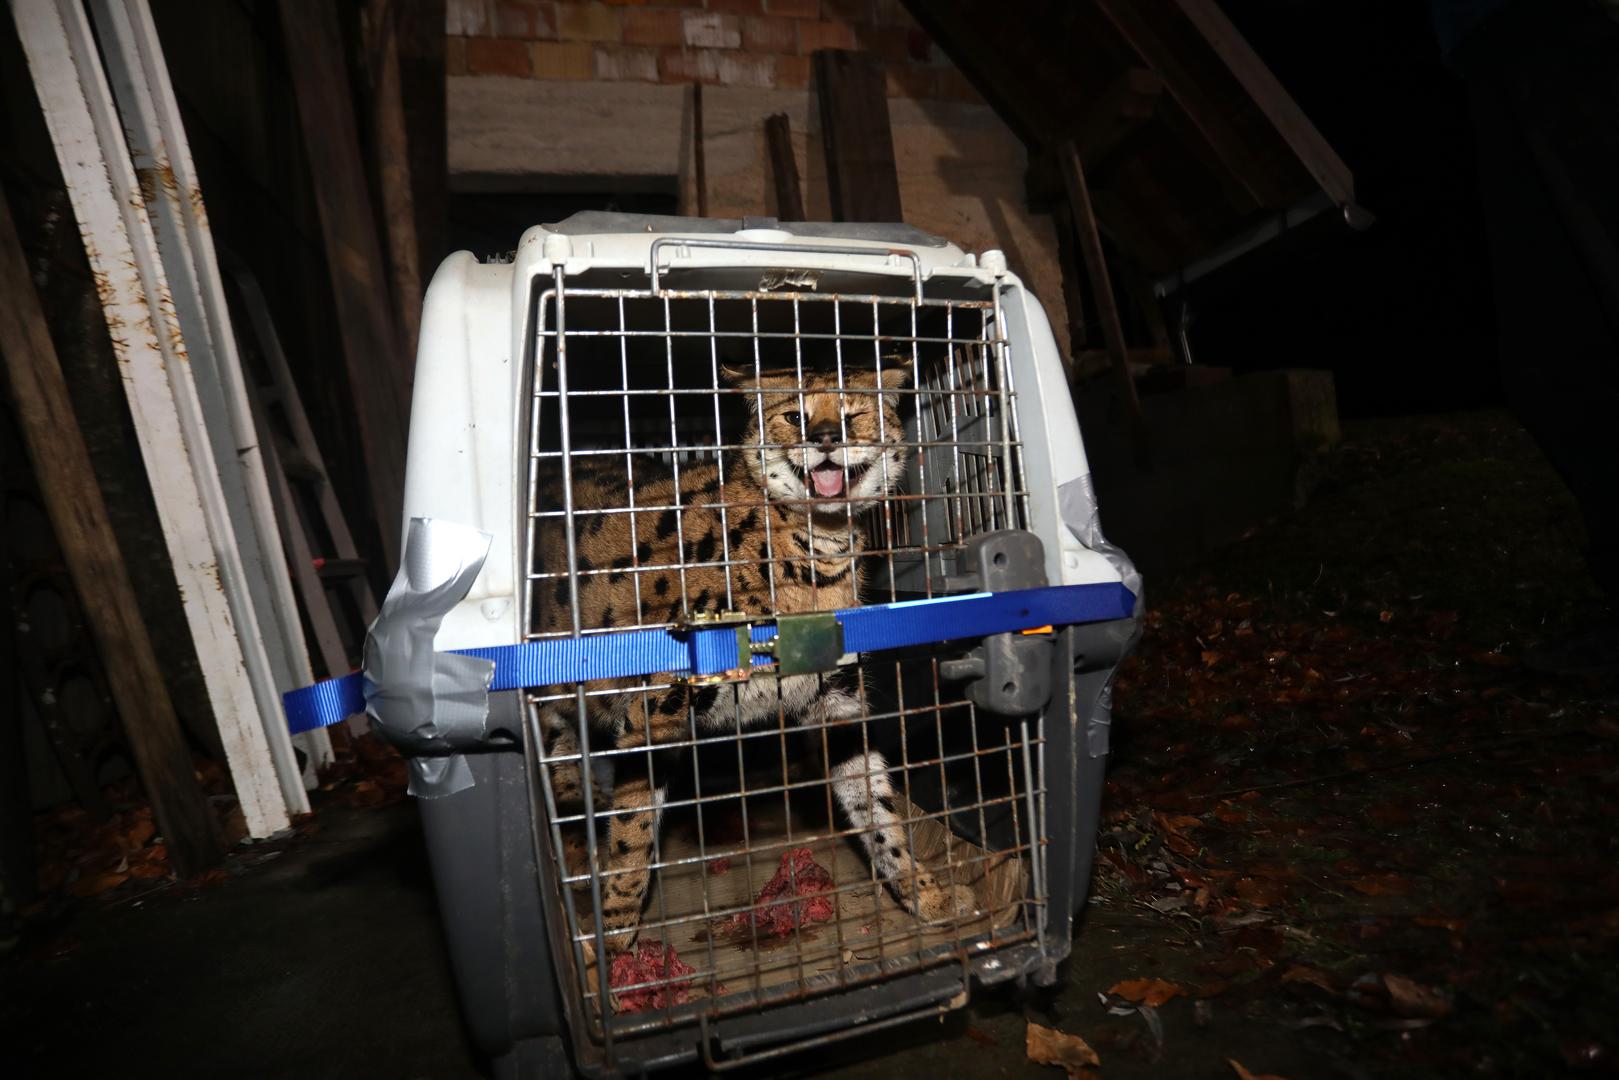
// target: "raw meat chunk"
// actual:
[[651, 961], [799, 875]]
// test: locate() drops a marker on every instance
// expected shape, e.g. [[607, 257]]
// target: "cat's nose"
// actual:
[[827, 433]]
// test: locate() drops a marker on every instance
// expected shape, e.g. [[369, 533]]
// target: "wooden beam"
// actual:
[[1090, 246], [861, 175], [1103, 126], [699, 150], [390, 144], [1313, 151], [1129, 102], [423, 95], [1133, 21], [79, 516], [378, 368], [784, 168], [1011, 99]]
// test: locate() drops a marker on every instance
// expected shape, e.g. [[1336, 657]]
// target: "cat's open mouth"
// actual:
[[826, 480]]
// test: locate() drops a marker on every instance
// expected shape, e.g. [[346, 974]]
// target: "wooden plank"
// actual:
[[1090, 246], [862, 178], [699, 153], [79, 517], [390, 144], [261, 594], [379, 370], [1313, 151], [1073, 287], [784, 168], [1133, 21], [422, 93], [137, 306]]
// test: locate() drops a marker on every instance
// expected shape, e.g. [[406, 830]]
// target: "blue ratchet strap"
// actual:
[[712, 650]]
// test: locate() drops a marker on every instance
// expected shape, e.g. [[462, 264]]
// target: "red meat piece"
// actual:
[[719, 866], [651, 962], [799, 875]]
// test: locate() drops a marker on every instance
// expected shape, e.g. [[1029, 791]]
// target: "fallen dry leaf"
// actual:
[[96, 884], [1381, 885], [1244, 1074], [1048, 1046], [1411, 998], [1175, 824], [139, 834], [1260, 891], [1152, 992], [1313, 976], [234, 827]]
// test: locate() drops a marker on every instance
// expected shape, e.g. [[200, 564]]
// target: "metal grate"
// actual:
[[650, 412]]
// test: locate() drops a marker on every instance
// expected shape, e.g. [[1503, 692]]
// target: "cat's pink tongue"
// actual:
[[828, 482]]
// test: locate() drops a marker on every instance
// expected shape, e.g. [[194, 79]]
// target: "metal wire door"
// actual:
[[760, 889]]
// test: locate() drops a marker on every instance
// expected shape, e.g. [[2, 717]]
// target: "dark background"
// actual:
[[1401, 313]]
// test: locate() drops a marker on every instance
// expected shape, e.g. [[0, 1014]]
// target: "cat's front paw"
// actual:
[[937, 902]]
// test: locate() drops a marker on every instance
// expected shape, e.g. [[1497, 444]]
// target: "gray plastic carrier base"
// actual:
[[482, 847]]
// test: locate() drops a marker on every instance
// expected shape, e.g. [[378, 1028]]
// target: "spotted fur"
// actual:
[[783, 520]]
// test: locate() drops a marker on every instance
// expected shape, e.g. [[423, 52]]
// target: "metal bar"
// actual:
[[667, 345], [107, 201], [1269, 228], [941, 1009]]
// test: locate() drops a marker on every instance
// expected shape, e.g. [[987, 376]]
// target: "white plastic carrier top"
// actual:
[[467, 457]]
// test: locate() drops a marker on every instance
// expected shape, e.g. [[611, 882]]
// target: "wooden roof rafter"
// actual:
[[1187, 137]]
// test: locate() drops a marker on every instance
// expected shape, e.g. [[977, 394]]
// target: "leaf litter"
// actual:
[[1048, 1046], [1338, 789]]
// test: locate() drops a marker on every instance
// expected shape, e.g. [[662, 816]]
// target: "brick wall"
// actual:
[[541, 90], [763, 44]]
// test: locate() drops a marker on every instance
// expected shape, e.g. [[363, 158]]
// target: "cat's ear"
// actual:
[[895, 374], [749, 378]]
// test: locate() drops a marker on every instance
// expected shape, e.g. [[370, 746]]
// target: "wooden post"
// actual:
[[861, 176], [422, 93], [378, 367], [699, 154], [1090, 246], [1267, 92], [391, 145], [79, 517], [784, 168]]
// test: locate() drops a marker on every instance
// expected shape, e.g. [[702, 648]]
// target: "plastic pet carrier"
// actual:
[[798, 521]]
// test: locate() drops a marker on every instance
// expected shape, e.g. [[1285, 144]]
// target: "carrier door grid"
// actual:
[[700, 455]]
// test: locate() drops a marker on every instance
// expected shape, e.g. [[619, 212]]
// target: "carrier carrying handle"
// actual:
[[786, 248]]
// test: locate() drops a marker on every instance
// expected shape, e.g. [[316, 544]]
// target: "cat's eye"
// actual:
[[795, 419]]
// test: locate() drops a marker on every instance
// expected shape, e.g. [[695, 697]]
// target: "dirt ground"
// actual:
[[1346, 834]]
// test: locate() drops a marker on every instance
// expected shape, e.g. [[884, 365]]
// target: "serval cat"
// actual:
[[819, 456]]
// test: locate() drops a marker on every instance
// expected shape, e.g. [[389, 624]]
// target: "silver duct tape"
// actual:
[[1076, 505], [1099, 726], [429, 704]]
